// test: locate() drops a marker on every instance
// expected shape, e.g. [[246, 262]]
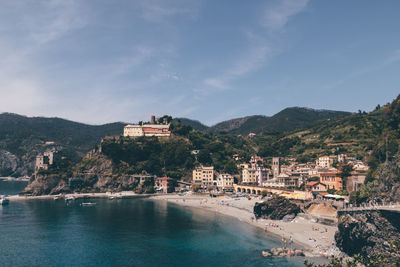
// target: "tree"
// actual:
[[345, 172], [264, 193], [196, 187]]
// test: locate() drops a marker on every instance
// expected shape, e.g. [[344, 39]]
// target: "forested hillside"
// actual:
[[287, 120], [22, 138]]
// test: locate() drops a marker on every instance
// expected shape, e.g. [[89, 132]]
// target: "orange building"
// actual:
[[331, 180]]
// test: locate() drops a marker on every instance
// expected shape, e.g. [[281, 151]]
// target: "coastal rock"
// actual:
[[298, 252], [280, 252], [289, 217], [371, 234], [266, 254], [276, 208]]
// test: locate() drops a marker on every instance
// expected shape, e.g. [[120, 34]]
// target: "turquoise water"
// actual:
[[128, 232]]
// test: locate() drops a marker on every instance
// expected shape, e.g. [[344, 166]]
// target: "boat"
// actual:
[[69, 198], [88, 204], [4, 201]]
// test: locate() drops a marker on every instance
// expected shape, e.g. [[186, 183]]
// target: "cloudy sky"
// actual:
[[102, 61]]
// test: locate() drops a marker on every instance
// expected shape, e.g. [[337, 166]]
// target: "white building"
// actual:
[[161, 130], [225, 181], [324, 162]]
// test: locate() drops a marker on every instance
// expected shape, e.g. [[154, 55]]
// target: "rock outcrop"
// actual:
[[276, 208], [370, 234], [94, 174]]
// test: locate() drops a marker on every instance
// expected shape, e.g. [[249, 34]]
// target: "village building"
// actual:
[[331, 180], [315, 188], [254, 173], [324, 162], [225, 181], [274, 183], [203, 176], [248, 174], [164, 184]]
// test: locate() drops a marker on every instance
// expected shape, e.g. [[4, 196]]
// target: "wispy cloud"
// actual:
[[162, 11], [277, 15], [260, 43]]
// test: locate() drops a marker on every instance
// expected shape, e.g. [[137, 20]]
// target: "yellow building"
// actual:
[[203, 176], [248, 174]]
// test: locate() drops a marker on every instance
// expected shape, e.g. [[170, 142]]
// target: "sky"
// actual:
[[102, 61]]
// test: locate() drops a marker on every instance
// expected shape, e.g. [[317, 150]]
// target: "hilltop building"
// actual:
[[150, 129], [203, 176], [44, 161]]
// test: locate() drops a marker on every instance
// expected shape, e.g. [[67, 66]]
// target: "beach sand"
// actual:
[[316, 238]]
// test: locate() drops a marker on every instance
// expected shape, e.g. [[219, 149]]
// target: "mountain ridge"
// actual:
[[288, 119]]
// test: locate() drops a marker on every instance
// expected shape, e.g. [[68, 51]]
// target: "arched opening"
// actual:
[[248, 191], [253, 191], [258, 192]]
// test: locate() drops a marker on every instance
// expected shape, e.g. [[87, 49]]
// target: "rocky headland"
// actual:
[[94, 174], [374, 235]]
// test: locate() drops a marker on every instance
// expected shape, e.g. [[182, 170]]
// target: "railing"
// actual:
[[373, 206]]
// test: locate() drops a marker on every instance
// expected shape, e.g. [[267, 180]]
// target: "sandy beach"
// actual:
[[317, 239]]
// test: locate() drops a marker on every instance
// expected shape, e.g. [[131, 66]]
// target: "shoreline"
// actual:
[[316, 239], [117, 195], [12, 179]]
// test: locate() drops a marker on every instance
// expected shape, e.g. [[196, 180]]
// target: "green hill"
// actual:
[[196, 125], [287, 120], [25, 137]]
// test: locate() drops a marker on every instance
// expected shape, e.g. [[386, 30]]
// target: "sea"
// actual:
[[126, 232]]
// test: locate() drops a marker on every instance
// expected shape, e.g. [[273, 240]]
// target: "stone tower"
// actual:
[[276, 166]]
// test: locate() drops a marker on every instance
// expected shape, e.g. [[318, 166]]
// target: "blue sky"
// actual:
[[104, 61]]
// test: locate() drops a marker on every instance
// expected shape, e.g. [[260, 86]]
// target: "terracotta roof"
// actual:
[[164, 178]]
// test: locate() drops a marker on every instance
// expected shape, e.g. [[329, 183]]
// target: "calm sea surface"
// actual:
[[128, 232]]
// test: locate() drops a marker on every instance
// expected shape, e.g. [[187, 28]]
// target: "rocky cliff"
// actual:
[[276, 208], [94, 174], [372, 234]]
